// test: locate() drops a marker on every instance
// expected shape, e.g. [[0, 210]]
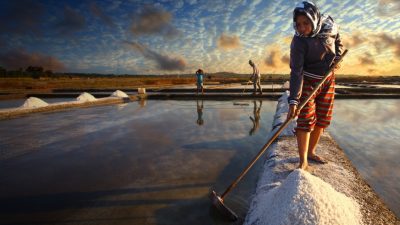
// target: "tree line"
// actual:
[[30, 71]]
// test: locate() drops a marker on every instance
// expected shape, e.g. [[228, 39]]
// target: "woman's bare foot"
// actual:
[[306, 167], [317, 159], [303, 166]]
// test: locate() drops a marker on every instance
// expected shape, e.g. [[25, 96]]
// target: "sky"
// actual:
[[181, 36]]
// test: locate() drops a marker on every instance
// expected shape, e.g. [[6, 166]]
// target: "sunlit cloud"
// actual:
[[16, 59], [385, 41], [228, 42], [275, 57], [164, 62], [272, 59], [285, 59], [367, 59], [153, 20], [388, 8], [218, 38], [355, 40]]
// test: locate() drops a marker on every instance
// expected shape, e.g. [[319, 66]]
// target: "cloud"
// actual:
[[384, 41], [15, 59], [388, 8], [355, 40], [97, 11], [285, 59], [164, 62], [154, 21], [22, 17], [191, 2], [372, 71], [276, 60], [367, 59], [228, 42], [271, 59], [71, 22]]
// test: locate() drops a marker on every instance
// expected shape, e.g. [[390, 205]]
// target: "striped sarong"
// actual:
[[318, 111]]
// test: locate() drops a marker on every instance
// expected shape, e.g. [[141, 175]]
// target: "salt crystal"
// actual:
[[304, 199]]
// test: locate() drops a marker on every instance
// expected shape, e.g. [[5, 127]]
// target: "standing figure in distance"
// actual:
[[255, 77], [199, 76]]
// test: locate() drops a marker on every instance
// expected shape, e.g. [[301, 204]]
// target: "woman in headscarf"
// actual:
[[316, 45]]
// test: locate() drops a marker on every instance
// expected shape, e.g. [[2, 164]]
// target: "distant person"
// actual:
[[256, 78], [200, 76], [200, 107], [256, 119], [315, 46]]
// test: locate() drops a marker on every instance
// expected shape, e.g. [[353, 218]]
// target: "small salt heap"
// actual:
[[119, 94], [86, 97], [304, 199], [34, 102]]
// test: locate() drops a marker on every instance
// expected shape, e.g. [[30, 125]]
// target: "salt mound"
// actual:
[[305, 199], [119, 94], [34, 102], [86, 97], [286, 85]]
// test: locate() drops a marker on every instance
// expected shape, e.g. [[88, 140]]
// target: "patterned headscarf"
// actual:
[[322, 26]]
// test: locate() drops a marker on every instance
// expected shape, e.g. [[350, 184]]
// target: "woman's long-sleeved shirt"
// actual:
[[309, 57]]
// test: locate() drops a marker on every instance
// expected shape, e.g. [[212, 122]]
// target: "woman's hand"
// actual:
[[293, 112]]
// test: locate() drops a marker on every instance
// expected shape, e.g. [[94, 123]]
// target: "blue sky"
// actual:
[[169, 37]]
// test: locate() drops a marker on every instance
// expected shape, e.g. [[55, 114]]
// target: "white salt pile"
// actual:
[[86, 97], [34, 102], [119, 94], [304, 199]]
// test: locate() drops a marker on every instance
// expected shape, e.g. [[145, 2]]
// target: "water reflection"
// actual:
[[200, 107], [256, 119], [142, 102], [121, 106], [139, 165], [368, 132]]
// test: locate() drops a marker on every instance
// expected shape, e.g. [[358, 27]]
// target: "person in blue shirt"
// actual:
[[200, 75]]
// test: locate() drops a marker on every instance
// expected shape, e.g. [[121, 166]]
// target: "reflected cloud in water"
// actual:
[[368, 131], [102, 158]]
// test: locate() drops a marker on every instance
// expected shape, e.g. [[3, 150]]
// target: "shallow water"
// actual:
[[387, 85], [368, 131], [148, 162]]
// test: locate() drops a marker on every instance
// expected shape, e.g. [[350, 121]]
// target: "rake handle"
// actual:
[[283, 126]]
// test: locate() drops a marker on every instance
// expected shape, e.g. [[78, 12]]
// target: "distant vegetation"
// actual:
[[34, 77]]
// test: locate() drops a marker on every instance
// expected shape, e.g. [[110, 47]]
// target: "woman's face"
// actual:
[[303, 25]]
